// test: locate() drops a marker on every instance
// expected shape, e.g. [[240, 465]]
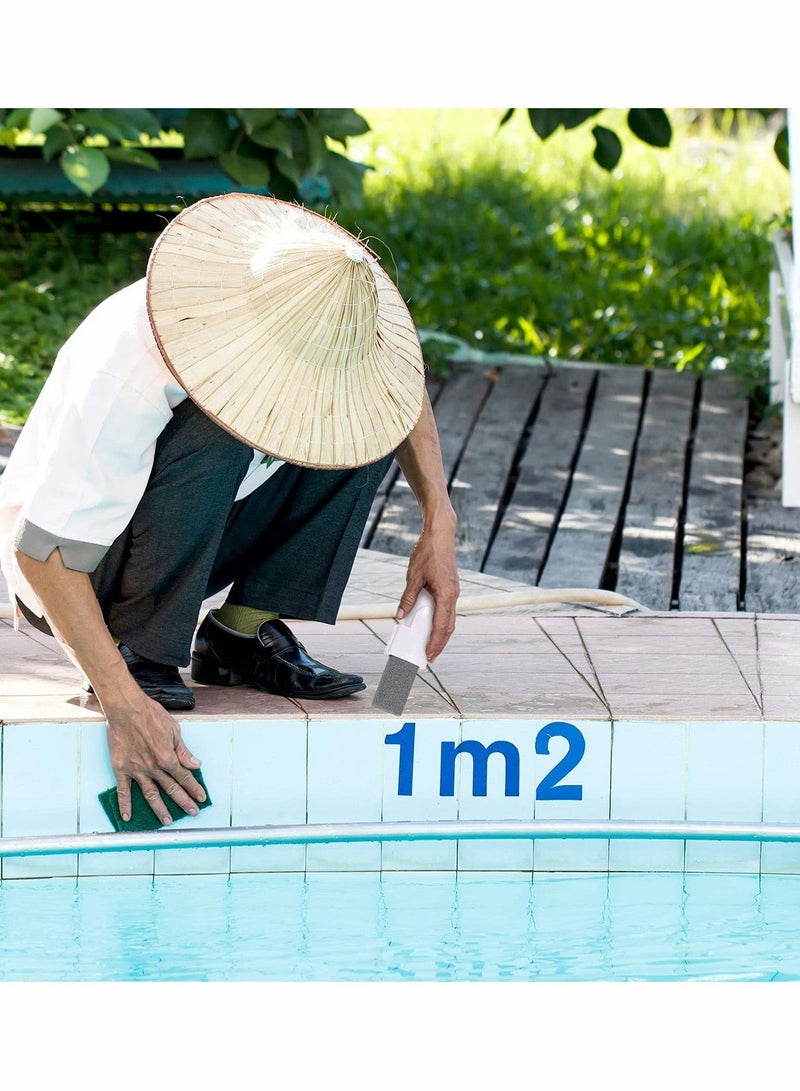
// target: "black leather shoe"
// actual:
[[163, 683], [273, 660]]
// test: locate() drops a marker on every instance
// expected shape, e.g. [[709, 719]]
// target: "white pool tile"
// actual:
[[781, 772], [269, 788], [781, 797], [40, 793], [575, 763], [96, 775], [780, 858], [211, 741], [648, 782], [345, 761], [412, 790], [724, 784], [725, 771], [501, 766]]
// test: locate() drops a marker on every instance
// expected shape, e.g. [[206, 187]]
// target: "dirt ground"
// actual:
[[762, 469]]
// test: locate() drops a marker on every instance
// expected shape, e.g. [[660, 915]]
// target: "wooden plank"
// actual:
[[457, 410], [480, 480], [434, 385], [395, 520], [587, 526], [773, 558], [652, 515], [543, 477], [712, 537]]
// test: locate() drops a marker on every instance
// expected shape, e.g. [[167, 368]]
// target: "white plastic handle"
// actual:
[[411, 635]]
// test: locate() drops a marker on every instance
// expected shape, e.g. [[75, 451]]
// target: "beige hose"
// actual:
[[530, 596]]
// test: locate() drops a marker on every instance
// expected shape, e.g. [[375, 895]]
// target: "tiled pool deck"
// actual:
[[651, 717], [565, 661]]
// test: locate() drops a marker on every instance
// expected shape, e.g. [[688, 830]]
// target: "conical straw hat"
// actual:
[[285, 330]]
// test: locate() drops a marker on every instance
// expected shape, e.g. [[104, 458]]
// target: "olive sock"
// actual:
[[243, 619]]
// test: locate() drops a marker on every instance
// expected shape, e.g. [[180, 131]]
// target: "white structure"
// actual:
[[785, 331]]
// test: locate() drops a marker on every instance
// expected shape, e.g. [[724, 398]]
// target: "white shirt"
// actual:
[[82, 462]]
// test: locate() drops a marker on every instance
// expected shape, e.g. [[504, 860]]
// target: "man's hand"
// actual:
[[432, 566], [144, 740], [145, 745]]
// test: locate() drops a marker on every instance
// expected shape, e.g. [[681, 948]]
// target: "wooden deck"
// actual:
[[596, 476], [605, 477]]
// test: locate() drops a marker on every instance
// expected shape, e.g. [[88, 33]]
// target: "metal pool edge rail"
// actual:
[[325, 833]]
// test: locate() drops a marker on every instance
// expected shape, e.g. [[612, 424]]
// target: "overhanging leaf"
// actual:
[[317, 150], [607, 147], [206, 134], [781, 147], [86, 168], [252, 120], [571, 119], [652, 126], [136, 122], [138, 157], [252, 173], [42, 120], [17, 119], [98, 122], [57, 139], [276, 136], [544, 122], [289, 168], [340, 124], [346, 179]]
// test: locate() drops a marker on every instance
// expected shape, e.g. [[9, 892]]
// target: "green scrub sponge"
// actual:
[[142, 817]]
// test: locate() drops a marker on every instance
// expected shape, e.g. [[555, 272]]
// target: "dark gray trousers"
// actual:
[[288, 547]]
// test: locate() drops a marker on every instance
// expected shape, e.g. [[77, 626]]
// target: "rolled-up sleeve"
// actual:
[[39, 543]]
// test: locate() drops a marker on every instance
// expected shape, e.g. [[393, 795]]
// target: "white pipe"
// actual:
[[529, 596], [326, 833], [793, 127]]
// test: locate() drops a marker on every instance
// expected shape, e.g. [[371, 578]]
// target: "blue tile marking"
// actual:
[[551, 785]]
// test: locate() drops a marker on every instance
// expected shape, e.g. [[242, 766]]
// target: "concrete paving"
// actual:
[[555, 660]]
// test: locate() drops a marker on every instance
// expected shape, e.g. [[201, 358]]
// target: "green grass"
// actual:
[[511, 243], [507, 243]]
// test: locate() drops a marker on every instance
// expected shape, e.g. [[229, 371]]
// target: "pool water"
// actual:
[[401, 927]]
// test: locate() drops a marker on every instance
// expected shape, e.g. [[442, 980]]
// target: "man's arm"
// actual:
[[144, 741], [433, 560]]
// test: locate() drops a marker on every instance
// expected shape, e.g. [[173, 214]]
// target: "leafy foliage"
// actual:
[[287, 152], [501, 244], [651, 126]]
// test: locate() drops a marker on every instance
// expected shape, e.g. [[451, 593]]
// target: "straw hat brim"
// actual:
[[286, 331]]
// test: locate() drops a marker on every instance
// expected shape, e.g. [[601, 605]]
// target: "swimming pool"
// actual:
[[402, 927], [526, 914], [265, 911]]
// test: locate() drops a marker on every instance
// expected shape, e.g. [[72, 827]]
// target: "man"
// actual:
[[223, 422]]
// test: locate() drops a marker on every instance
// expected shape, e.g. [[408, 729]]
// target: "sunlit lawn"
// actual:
[[509, 242], [506, 243]]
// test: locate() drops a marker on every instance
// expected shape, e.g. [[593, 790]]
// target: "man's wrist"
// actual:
[[439, 515]]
